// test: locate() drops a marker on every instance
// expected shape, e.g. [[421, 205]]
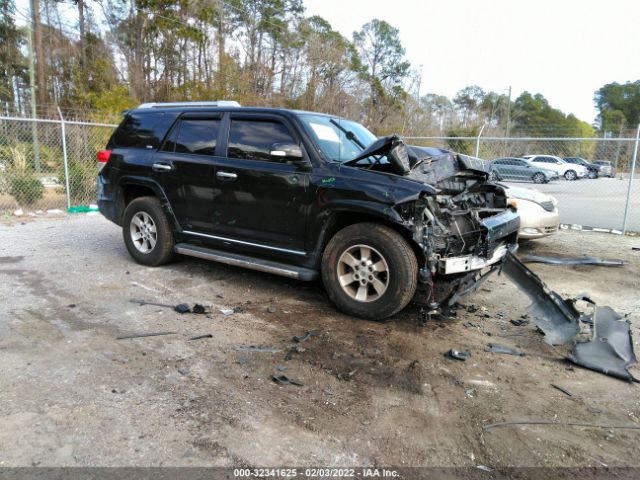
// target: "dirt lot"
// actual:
[[373, 394]]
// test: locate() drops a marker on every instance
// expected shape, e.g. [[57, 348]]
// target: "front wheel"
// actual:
[[592, 174], [570, 175], [147, 232], [369, 271]]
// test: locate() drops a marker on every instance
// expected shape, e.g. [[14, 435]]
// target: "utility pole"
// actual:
[[32, 89], [506, 130]]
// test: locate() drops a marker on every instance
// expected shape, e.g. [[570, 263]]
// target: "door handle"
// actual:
[[226, 175], [161, 167]]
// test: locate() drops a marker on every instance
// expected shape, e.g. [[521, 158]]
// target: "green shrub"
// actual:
[[25, 188], [82, 181]]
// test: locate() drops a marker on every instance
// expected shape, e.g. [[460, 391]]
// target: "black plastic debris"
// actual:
[[496, 348], [182, 308], [292, 350], [306, 336], [141, 335], [530, 258], [200, 337], [610, 351], [519, 322], [556, 317], [563, 390], [199, 309], [456, 354], [284, 380]]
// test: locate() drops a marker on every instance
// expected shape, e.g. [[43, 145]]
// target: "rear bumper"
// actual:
[[106, 202]]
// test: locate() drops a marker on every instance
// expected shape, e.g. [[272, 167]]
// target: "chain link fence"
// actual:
[[49, 164]]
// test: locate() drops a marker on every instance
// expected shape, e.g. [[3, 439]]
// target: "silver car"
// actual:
[[538, 211]]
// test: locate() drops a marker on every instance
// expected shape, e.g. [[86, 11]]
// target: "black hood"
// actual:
[[432, 165]]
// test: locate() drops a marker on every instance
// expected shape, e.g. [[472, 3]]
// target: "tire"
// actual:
[[570, 175], [141, 217], [592, 174], [539, 178], [370, 292]]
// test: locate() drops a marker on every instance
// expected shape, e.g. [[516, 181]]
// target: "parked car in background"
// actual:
[[606, 169], [538, 212], [512, 168], [568, 170], [593, 171]]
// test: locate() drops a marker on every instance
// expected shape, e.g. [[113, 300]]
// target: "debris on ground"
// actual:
[[200, 337], [199, 309], [252, 348], [530, 258], [182, 308], [141, 335], [610, 349], [563, 390], [455, 354], [292, 350], [496, 348], [284, 380], [230, 311], [346, 376], [519, 322], [306, 336]]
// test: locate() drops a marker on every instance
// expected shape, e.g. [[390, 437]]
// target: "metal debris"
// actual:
[[255, 349], [572, 260], [495, 348], [284, 380], [563, 390], [455, 354], [141, 335], [306, 336], [200, 337]]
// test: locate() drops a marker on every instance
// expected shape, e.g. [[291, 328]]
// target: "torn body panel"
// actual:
[[610, 348]]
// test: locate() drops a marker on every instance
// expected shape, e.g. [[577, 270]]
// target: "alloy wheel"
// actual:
[[363, 273], [143, 232]]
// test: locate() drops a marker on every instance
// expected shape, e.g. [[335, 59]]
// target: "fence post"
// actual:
[[64, 157], [633, 169], [478, 141]]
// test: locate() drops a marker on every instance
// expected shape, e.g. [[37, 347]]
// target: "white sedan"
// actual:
[[538, 211], [564, 169]]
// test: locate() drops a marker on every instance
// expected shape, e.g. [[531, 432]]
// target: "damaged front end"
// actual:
[[464, 229]]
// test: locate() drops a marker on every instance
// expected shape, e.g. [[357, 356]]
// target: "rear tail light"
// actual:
[[103, 157]]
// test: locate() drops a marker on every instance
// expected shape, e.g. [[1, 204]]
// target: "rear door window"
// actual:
[[143, 129], [254, 139], [197, 136]]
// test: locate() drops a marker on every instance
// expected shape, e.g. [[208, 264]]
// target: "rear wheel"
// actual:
[[539, 178], [369, 271], [147, 232], [570, 175]]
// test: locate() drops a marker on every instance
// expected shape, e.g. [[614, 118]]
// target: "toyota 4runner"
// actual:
[[303, 195]]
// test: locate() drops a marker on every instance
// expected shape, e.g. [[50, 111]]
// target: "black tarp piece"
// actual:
[[529, 258], [556, 317], [610, 349]]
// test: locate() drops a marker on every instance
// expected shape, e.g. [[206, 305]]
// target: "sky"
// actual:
[[563, 49]]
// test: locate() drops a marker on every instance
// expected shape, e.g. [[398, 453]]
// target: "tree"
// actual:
[[12, 68], [618, 106], [381, 63]]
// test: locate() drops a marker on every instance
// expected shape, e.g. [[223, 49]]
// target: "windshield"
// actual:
[[332, 136]]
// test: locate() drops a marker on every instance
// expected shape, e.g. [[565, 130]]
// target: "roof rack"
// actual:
[[219, 103]]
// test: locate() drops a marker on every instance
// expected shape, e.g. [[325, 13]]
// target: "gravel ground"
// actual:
[[373, 394]]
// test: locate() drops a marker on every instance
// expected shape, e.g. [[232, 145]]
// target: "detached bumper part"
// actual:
[[468, 263], [610, 350]]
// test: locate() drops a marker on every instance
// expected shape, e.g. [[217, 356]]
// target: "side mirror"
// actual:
[[286, 151]]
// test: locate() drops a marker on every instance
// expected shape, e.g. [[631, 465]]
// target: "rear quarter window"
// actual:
[[143, 129]]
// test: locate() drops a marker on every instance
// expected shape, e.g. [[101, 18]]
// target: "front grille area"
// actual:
[[548, 206], [550, 229]]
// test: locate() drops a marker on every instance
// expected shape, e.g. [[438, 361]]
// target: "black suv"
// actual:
[[304, 194]]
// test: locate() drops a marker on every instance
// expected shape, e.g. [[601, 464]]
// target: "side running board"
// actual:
[[245, 261]]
